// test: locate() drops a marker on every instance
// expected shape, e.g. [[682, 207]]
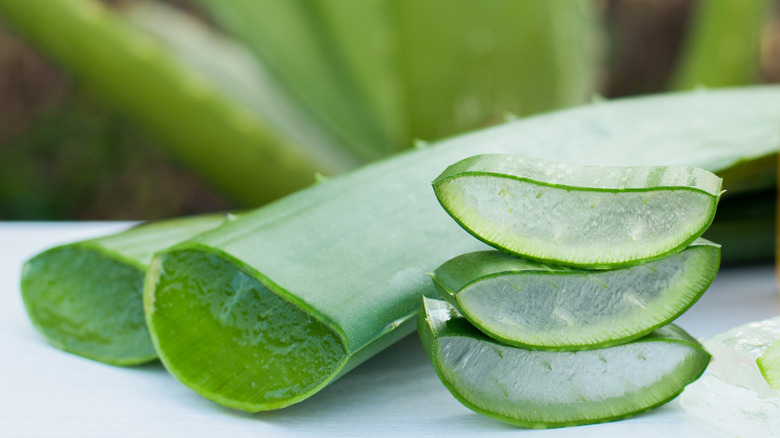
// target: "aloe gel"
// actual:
[[86, 297], [544, 389], [596, 217], [538, 306]]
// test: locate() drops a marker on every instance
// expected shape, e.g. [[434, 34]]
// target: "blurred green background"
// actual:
[[143, 109]]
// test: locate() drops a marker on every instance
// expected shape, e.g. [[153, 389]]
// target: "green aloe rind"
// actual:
[[546, 307], [86, 297], [349, 255], [596, 217], [545, 389], [769, 365]]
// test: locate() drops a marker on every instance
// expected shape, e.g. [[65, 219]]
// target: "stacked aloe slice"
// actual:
[[569, 322]]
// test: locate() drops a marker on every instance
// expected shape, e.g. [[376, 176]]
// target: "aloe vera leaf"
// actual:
[[292, 40], [597, 217], [543, 307], [240, 76], [349, 255], [723, 44], [199, 123], [365, 37], [552, 46], [86, 297], [545, 389]]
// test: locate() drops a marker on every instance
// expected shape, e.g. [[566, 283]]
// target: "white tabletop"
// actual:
[[48, 393]]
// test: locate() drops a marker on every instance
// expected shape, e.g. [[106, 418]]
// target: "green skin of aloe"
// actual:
[[342, 264], [86, 297], [547, 307], [546, 389]]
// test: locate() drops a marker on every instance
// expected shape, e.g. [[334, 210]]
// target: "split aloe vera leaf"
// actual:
[[545, 389], [597, 217], [86, 297], [349, 255], [538, 306]]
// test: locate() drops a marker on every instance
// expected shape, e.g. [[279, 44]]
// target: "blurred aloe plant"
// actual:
[[299, 87], [723, 44]]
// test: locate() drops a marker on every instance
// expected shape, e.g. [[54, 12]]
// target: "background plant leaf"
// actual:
[[723, 44]]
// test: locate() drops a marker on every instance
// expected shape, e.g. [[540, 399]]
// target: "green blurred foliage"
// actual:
[[67, 152], [80, 161]]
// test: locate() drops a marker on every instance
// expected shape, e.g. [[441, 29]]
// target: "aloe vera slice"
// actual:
[[351, 253], [542, 389], [596, 217], [86, 297], [537, 306]]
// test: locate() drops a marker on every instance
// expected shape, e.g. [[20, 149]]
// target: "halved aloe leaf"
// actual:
[[87, 297], [536, 306], [542, 389], [596, 217]]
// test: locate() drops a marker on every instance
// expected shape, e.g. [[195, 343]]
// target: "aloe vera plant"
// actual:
[[342, 264], [386, 65], [543, 389], [183, 106], [86, 297], [595, 216], [320, 86], [538, 306]]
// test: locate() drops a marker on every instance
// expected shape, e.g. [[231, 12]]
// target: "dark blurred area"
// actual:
[[65, 155]]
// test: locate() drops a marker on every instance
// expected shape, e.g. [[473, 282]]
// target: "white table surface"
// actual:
[[48, 393]]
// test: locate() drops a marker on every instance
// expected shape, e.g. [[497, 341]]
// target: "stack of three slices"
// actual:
[[569, 323]]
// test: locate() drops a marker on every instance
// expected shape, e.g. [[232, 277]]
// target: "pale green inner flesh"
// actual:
[[547, 308], [576, 226], [230, 338], [88, 303], [545, 388]]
